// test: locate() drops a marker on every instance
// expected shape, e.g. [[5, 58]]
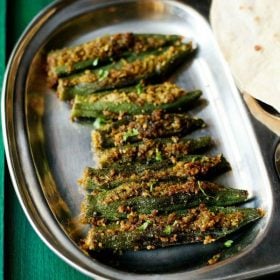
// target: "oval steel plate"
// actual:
[[46, 152]]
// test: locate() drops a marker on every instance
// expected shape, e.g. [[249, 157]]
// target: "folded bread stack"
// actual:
[[248, 33]]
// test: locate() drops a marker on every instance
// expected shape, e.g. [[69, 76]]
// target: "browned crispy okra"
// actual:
[[135, 128], [125, 72], [102, 50], [150, 150], [165, 197], [199, 166], [115, 104], [151, 231]]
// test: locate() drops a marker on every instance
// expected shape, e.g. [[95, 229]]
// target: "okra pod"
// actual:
[[151, 150], [136, 128], [151, 231], [198, 166], [102, 50], [164, 197], [128, 71], [167, 96]]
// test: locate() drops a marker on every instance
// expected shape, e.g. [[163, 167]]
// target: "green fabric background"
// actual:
[[25, 255], [2, 161]]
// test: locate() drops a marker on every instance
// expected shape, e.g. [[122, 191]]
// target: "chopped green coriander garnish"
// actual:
[[130, 133], [194, 159], [99, 122], [168, 230], [175, 223], [144, 225], [102, 74], [158, 155], [201, 189], [139, 88], [151, 185], [228, 243], [95, 62]]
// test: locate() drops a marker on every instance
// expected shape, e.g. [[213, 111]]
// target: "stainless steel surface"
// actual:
[[46, 152]]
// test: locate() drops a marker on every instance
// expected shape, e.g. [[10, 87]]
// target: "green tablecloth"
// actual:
[[24, 255], [2, 173]]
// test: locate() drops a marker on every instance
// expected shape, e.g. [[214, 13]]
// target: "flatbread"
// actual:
[[248, 32], [270, 121]]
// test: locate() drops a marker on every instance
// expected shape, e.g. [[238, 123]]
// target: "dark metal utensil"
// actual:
[[277, 158]]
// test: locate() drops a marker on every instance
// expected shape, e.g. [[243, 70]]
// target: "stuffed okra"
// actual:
[[103, 50], [135, 128], [166, 96], [151, 150], [128, 71], [199, 166], [151, 231], [164, 197]]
